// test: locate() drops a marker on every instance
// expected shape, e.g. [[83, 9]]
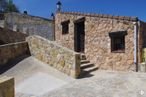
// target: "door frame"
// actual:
[[80, 49]]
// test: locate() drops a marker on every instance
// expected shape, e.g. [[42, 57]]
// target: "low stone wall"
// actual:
[[142, 67], [2, 23], [7, 87], [11, 51], [9, 36], [144, 55], [61, 58]]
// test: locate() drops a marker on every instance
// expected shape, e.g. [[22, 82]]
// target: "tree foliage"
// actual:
[[8, 6], [3, 5]]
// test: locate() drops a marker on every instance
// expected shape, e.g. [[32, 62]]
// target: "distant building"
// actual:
[[31, 25]]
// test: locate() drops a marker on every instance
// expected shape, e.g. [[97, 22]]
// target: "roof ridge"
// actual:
[[128, 18], [30, 16]]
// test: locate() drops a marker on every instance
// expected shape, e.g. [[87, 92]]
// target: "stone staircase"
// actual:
[[86, 65]]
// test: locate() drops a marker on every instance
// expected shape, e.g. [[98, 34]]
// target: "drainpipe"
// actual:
[[53, 18], [136, 45]]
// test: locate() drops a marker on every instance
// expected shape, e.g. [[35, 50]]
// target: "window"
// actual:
[[65, 27], [1, 42], [2, 17], [118, 41]]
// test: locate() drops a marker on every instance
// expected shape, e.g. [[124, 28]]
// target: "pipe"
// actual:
[[136, 45]]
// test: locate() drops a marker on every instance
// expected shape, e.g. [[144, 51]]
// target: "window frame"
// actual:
[[114, 36], [2, 16], [65, 27]]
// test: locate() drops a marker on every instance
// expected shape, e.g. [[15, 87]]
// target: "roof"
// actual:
[[128, 18]]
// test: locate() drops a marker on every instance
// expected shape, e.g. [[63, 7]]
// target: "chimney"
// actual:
[[52, 16], [25, 12]]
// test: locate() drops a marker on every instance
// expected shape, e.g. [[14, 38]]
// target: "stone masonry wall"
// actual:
[[143, 30], [97, 40], [142, 42], [9, 36], [2, 23], [7, 88], [61, 58], [11, 51], [31, 25]]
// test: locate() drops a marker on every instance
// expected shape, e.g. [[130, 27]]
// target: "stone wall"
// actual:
[[31, 25], [7, 88], [61, 58], [11, 51], [2, 23], [142, 42], [143, 30], [9, 36], [97, 40]]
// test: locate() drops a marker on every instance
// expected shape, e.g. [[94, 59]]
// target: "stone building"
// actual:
[[110, 42]]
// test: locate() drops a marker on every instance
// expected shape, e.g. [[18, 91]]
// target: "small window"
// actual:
[[1, 42], [2, 17], [65, 27], [118, 41]]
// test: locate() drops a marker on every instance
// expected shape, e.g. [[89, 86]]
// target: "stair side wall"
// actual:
[[61, 58]]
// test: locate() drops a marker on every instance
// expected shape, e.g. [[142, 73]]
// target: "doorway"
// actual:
[[79, 35]]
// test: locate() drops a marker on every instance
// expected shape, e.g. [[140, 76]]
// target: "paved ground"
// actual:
[[105, 84], [35, 79]]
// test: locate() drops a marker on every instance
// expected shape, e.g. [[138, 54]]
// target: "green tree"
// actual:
[[8, 6], [3, 5]]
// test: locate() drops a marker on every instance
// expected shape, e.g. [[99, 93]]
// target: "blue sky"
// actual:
[[44, 8]]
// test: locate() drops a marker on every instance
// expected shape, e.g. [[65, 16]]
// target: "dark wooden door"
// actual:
[[79, 41]]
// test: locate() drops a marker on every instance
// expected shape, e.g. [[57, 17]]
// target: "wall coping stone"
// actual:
[[13, 43], [5, 78]]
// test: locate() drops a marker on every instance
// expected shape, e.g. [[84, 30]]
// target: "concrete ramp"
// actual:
[[39, 84], [34, 78]]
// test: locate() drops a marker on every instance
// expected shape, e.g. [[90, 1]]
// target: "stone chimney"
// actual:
[[25, 12], [52, 16], [59, 5]]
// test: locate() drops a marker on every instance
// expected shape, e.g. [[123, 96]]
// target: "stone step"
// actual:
[[85, 72], [84, 61], [83, 57], [87, 65], [90, 67]]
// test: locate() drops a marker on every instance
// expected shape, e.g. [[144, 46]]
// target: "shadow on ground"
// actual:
[[12, 63], [86, 74]]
